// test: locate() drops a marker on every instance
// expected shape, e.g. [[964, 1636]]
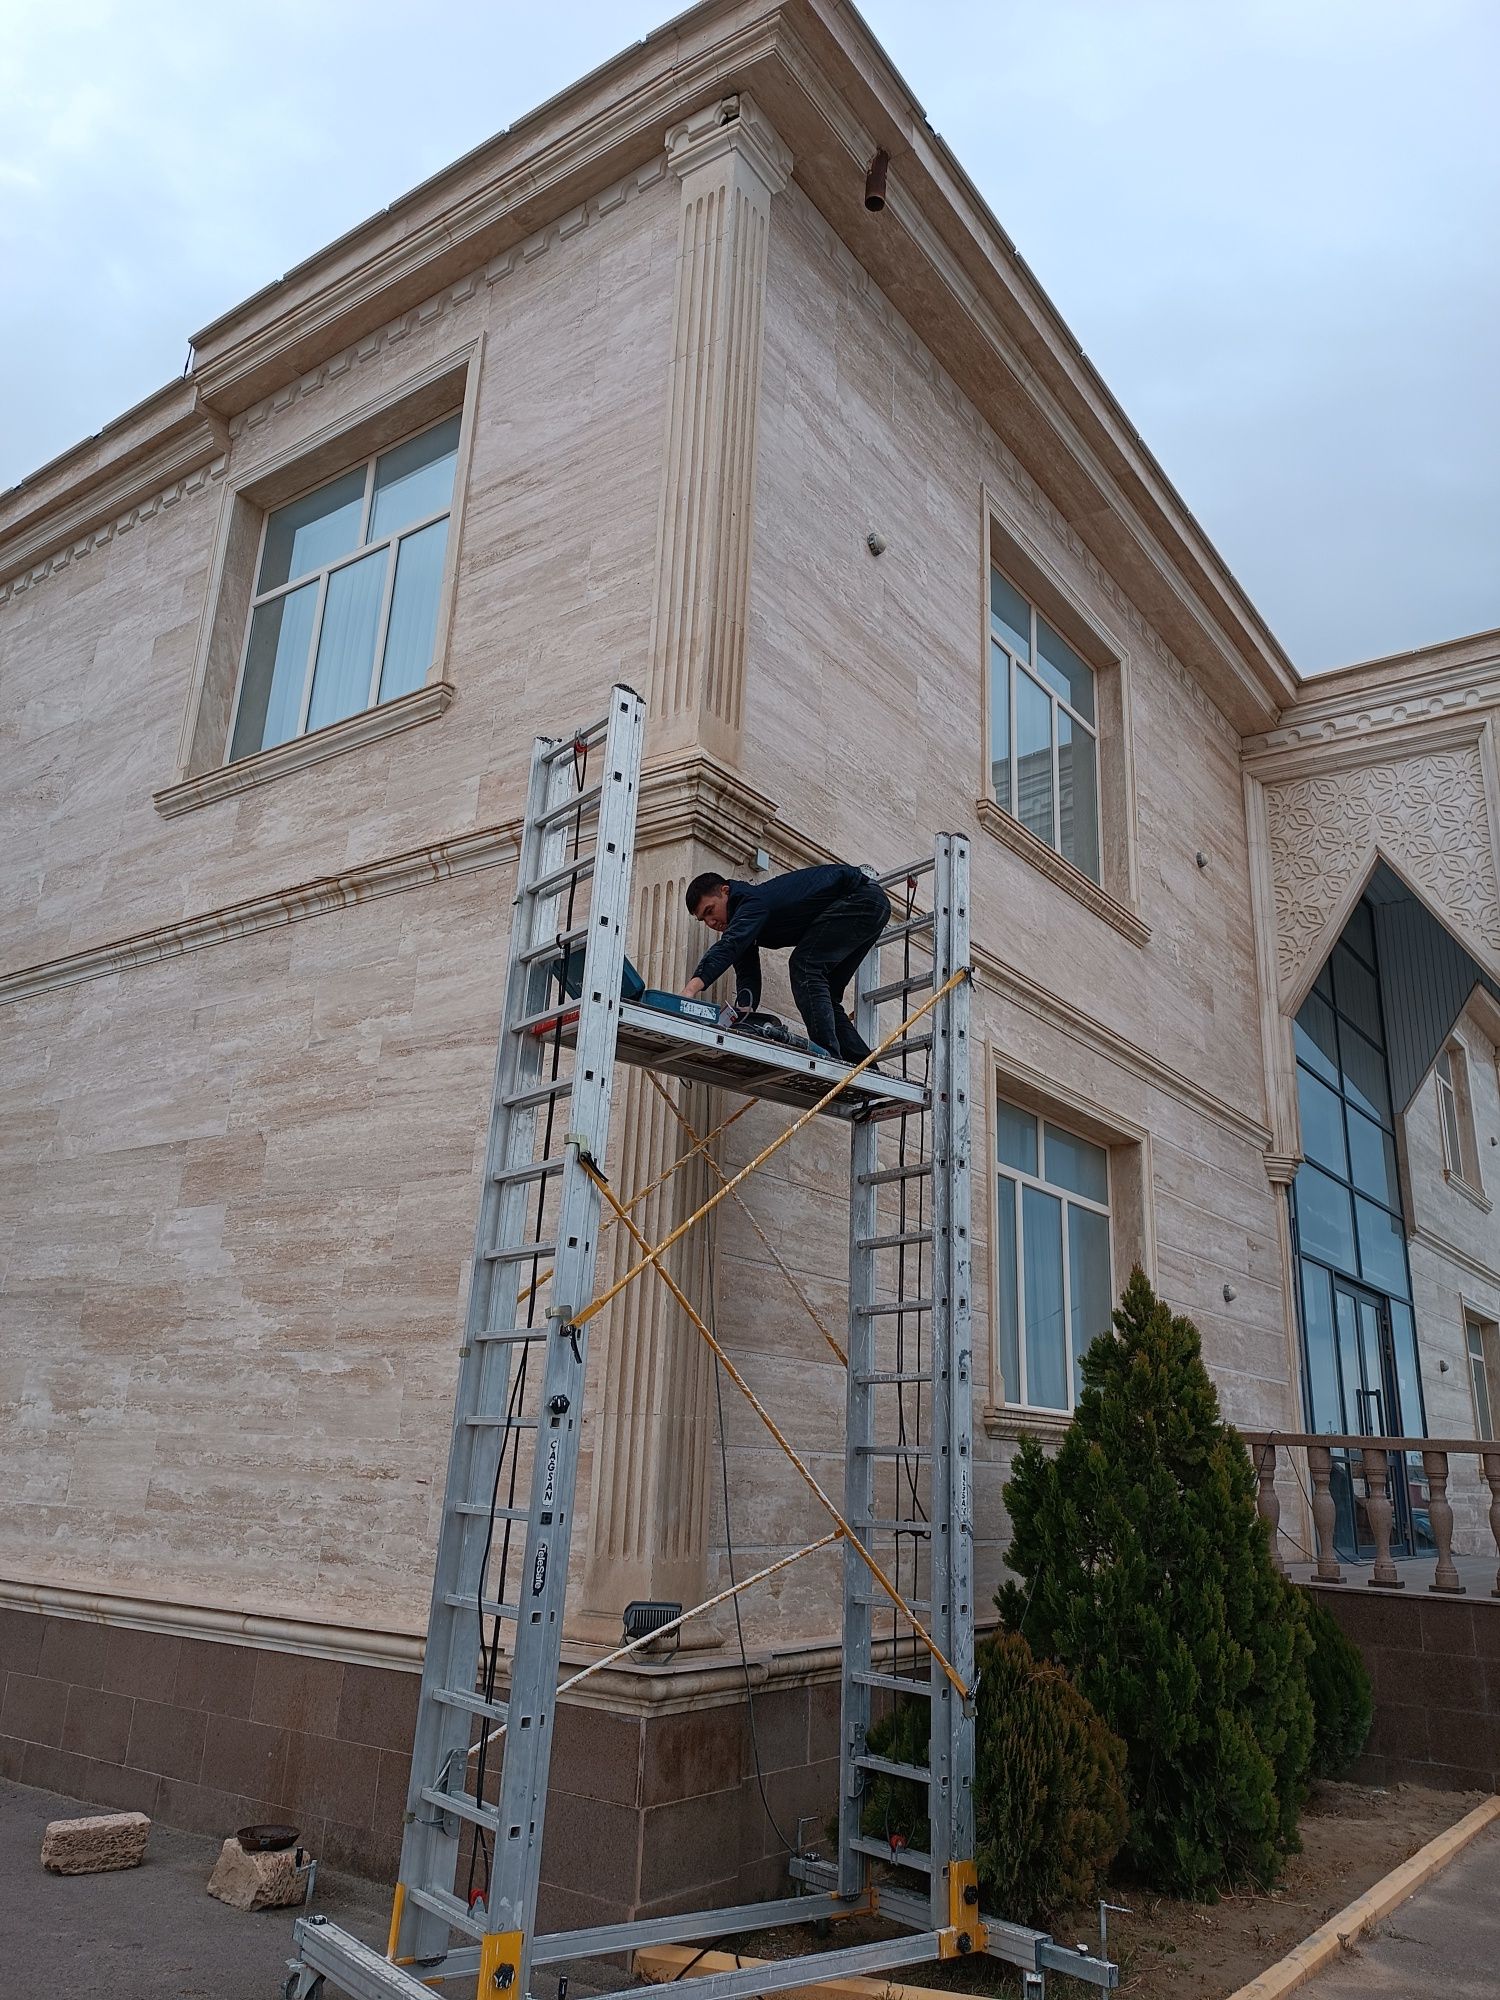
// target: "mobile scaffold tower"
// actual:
[[464, 1909]]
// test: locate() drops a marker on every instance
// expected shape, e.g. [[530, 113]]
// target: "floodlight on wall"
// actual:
[[875, 182], [647, 1615]]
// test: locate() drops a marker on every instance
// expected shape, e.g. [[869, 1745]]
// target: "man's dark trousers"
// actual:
[[828, 957]]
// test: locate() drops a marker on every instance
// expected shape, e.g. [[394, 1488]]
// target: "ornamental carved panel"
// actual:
[[1426, 815]]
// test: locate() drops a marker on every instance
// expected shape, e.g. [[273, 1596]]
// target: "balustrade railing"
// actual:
[[1333, 1460]]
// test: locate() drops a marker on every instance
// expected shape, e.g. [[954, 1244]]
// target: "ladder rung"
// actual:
[[539, 1170], [543, 1093], [520, 1253], [893, 1307], [465, 1807], [449, 1908], [906, 928], [878, 1597], [501, 1422], [902, 1857], [481, 1510], [897, 1682], [489, 1607], [559, 878], [882, 1379], [921, 1529], [474, 1704], [585, 800], [919, 982], [568, 746], [918, 1774], [556, 946], [546, 1017], [909, 1045], [894, 1450], [893, 1242], [510, 1336], [921, 1170]]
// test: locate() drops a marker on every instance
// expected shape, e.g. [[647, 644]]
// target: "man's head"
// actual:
[[708, 900]]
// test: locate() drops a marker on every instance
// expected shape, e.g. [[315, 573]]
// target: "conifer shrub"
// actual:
[[1342, 1702], [1049, 1800], [1144, 1572]]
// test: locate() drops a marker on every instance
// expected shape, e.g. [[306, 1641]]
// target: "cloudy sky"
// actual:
[[1273, 224]]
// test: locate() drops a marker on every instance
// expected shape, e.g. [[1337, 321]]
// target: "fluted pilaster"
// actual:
[[730, 163]]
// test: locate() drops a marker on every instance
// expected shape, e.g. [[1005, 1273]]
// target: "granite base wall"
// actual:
[[648, 1813], [1434, 1664]]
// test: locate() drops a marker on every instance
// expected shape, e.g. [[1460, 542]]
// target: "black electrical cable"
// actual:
[[713, 1321]]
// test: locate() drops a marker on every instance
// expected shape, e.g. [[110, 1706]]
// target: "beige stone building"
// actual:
[[623, 395]]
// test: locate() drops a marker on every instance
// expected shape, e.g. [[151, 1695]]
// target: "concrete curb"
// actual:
[[1325, 1944]]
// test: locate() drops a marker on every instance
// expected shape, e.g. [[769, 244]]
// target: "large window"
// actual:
[[1456, 1117], [1044, 753], [345, 608], [1053, 1288]]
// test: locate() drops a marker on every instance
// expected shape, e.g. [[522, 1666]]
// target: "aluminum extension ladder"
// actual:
[[471, 1852]]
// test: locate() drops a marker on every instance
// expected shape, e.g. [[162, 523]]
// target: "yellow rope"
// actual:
[[896, 1035], [772, 1252], [653, 1257], [665, 1175]]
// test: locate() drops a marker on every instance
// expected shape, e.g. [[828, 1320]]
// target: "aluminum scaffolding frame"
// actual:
[[490, 1683]]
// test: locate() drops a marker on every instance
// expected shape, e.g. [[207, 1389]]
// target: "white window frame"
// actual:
[[1479, 1335], [1455, 1117], [1091, 729], [321, 577], [1003, 1171]]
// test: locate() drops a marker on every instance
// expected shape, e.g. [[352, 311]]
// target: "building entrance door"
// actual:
[[1366, 1357]]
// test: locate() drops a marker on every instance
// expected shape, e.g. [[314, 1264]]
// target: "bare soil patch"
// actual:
[[1352, 1835]]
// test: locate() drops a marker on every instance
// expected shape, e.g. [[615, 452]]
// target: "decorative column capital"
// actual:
[[735, 125]]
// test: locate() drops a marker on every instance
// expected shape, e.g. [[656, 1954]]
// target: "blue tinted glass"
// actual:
[[1359, 933], [1000, 672], [317, 529], [1074, 1164], [1317, 1039], [1412, 1416], [1006, 1313], [275, 669], [1325, 1222], [1089, 1296], [1322, 1124], [346, 644], [1016, 1137], [1382, 1248], [1357, 995], [1061, 667], [1372, 1160], [414, 610], [1364, 1074], [1010, 615], [1326, 1413], [414, 479], [1046, 1339]]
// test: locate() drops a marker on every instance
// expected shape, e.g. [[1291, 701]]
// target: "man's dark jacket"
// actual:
[[774, 913]]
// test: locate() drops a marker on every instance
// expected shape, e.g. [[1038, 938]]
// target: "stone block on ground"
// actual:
[[93, 1845], [260, 1881]]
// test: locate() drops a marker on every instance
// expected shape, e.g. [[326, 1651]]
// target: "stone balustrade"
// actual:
[[1335, 1456]]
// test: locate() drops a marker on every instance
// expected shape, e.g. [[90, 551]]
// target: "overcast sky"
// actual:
[[1274, 225]]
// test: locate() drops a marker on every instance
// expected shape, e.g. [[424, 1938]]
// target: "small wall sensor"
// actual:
[[762, 861], [1201, 858], [1229, 1295], [875, 542]]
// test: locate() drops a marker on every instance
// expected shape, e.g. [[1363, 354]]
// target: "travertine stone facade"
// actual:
[[247, 1013]]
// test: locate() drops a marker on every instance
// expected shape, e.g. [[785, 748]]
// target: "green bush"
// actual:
[[1145, 1573], [1343, 1706], [1049, 1803]]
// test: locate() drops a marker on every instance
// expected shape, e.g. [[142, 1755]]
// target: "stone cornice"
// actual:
[[1418, 708], [735, 124], [370, 725], [1429, 1239], [1051, 864], [691, 796], [70, 518]]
